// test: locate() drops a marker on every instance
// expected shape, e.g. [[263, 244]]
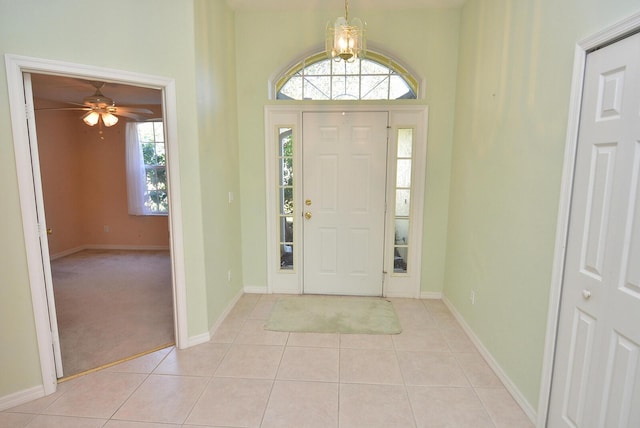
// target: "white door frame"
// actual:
[[290, 282], [30, 206], [583, 47]]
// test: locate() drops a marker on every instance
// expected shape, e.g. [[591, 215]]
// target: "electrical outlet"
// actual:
[[473, 297], [229, 275], [230, 197], [106, 228]]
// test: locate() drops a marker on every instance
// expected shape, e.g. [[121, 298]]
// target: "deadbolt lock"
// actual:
[[307, 202]]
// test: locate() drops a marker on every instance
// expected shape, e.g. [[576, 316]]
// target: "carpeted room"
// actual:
[[111, 271]]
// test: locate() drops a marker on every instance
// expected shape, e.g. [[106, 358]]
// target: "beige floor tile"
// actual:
[[400, 303], [379, 366], [302, 404], [373, 406], [163, 399], [457, 339], [127, 424], [431, 369], [144, 364], [97, 395], [366, 341], [430, 340], [244, 306], [314, 340], [37, 406], [250, 361], [51, 421], [253, 333], [201, 360], [310, 364], [435, 306], [232, 402], [414, 316], [262, 310], [14, 420], [228, 330], [478, 371], [437, 407], [445, 319], [503, 409]]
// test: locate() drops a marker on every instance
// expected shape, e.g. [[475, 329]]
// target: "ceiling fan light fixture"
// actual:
[[91, 118], [109, 119]]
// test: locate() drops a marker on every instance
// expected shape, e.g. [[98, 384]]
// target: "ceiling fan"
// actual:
[[101, 108]]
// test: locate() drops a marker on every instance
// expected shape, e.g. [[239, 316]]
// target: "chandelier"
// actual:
[[345, 38]]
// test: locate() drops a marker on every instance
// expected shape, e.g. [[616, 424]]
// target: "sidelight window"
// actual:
[[402, 214], [286, 202]]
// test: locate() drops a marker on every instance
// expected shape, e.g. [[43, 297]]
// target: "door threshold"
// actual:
[[115, 363]]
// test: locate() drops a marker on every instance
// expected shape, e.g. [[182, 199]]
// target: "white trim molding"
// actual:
[[290, 116], [431, 295], [583, 47], [219, 321], [502, 375], [17, 65], [21, 397]]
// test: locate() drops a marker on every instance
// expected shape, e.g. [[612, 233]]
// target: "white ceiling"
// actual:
[[357, 6]]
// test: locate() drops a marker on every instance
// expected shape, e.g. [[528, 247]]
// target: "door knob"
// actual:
[[586, 294], [307, 215], [49, 231]]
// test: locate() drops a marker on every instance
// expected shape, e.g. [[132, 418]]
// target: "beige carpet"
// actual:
[[111, 305], [334, 314]]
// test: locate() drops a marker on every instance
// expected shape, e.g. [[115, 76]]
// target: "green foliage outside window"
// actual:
[[151, 137]]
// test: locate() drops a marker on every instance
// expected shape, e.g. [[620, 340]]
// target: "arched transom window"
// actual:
[[375, 77]]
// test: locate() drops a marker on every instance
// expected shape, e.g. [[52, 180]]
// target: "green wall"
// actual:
[[147, 36], [266, 42], [514, 81], [497, 78], [217, 120]]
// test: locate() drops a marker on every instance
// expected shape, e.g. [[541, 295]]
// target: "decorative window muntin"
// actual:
[[151, 138], [286, 197], [375, 77], [402, 210]]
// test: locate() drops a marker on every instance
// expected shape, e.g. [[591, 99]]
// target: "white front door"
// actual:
[[344, 182], [596, 375]]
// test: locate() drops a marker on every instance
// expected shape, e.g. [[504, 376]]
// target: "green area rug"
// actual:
[[334, 314]]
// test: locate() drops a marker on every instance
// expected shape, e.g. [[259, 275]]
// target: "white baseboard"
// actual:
[[108, 247], [198, 339], [21, 397], [431, 295], [256, 289], [224, 313], [509, 385]]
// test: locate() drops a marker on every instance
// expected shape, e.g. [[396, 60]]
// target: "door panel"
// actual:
[[344, 164], [595, 379], [44, 245]]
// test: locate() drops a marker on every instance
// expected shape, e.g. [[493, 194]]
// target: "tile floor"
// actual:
[[430, 375]]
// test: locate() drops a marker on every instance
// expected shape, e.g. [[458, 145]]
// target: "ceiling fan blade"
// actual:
[[133, 110], [129, 115], [63, 109]]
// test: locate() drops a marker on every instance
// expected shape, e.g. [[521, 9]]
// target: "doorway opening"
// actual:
[[32, 202], [109, 253]]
